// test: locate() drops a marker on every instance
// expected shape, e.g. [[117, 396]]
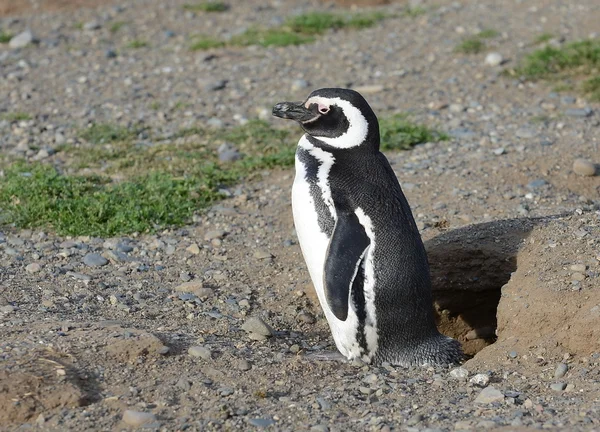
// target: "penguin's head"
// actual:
[[340, 118]]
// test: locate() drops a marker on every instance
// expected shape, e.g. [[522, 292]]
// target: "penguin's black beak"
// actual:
[[293, 111]]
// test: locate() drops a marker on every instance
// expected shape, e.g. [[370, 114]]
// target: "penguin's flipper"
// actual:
[[345, 254]]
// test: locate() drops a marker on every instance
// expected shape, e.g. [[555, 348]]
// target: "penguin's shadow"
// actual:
[[469, 266]]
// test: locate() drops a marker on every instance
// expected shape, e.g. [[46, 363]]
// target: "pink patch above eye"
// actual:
[[323, 109]]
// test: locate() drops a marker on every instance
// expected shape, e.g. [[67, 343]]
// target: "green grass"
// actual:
[[162, 185], [579, 60], [101, 133], [200, 43], [543, 38], [137, 43], [270, 37], [399, 133], [116, 26], [208, 6], [414, 12], [476, 44], [15, 116], [5, 37], [297, 30]]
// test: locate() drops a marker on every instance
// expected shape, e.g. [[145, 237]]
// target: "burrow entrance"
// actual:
[[469, 266]]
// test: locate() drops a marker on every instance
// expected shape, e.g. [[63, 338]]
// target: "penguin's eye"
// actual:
[[323, 109]]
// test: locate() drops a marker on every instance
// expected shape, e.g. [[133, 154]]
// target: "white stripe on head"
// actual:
[[358, 126]]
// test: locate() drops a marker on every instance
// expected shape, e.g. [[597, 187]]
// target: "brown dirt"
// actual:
[[19, 7]]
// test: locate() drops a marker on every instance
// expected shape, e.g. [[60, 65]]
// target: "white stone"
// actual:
[[493, 59]]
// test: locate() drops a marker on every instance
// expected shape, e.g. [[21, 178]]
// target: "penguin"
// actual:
[[358, 236]]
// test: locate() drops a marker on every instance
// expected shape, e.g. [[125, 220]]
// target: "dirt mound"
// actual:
[[40, 381]]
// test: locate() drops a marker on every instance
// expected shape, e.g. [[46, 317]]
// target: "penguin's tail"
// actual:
[[438, 350]]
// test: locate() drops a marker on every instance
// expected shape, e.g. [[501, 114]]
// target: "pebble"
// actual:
[[216, 85], [228, 153], [298, 85], [489, 395], [257, 326], [578, 268], [33, 268], [244, 365], [200, 351], [561, 370], [22, 40], [214, 234], [94, 260], [262, 254], [91, 25], [190, 286], [578, 112], [319, 428], [481, 333], [494, 59], [459, 373], [193, 249], [137, 418], [261, 422], [480, 380], [584, 167], [558, 386], [499, 151]]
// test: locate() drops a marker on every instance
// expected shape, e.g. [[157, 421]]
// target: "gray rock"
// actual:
[[480, 380], [579, 112], [244, 365], [216, 85], [110, 53], [462, 133], [214, 234], [584, 167], [526, 133], [499, 151], [536, 184], [561, 370], [261, 422], [137, 418], [228, 153], [319, 428], [459, 373], [22, 40], [33, 268], [257, 326], [94, 260], [298, 85], [558, 387], [489, 395], [200, 351], [92, 25], [79, 276]]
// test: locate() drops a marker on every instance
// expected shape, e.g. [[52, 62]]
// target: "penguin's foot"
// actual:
[[326, 356]]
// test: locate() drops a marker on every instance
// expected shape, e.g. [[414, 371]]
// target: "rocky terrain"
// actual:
[[214, 325]]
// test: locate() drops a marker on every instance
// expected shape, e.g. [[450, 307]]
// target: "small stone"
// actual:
[[459, 373], [306, 317], [22, 40], [489, 395], [216, 85], [578, 276], [480, 380], [33, 268], [578, 268], [79, 276], [417, 418], [261, 422], [456, 108], [200, 351], [193, 249], [228, 153], [262, 254], [319, 428], [584, 167], [92, 25], [214, 234], [579, 112], [494, 59], [244, 365], [526, 133], [536, 184], [189, 287], [257, 326], [110, 53], [513, 354], [137, 418], [499, 151], [94, 260], [561, 370], [558, 387]]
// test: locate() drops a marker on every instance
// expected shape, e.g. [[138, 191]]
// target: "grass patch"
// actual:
[[319, 22], [116, 26], [579, 61], [137, 43], [16, 116], [5, 37], [399, 133], [204, 43], [101, 133], [163, 184], [414, 12], [297, 30], [476, 44], [270, 37], [208, 6], [543, 38]]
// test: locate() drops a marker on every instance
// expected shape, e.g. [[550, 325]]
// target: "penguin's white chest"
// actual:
[[311, 196]]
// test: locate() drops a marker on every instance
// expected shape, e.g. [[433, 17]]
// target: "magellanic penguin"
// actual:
[[358, 236]]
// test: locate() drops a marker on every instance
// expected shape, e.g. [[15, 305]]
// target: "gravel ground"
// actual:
[[212, 326]]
